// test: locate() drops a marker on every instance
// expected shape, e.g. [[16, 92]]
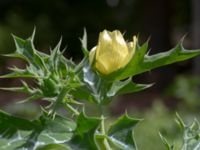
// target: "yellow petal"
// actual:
[[132, 47]]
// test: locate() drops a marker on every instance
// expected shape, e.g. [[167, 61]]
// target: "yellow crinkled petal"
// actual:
[[132, 48], [112, 52]]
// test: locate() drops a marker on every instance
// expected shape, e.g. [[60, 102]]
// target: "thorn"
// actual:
[[33, 34]]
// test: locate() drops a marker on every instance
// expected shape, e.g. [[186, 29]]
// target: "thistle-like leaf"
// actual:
[[26, 49], [166, 143], [120, 133], [84, 43], [99, 90], [51, 72], [91, 81], [10, 125], [142, 62], [16, 72], [124, 87], [24, 134], [84, 134], [191, 135]]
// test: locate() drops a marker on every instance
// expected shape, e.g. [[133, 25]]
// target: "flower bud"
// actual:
[[112, 52]]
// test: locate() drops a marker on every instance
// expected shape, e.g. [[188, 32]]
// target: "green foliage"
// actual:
[[185, 88], [84, 134], [190, 137], [22, 133], [53, 147], [53, 73], [121, 133], [66, 85]]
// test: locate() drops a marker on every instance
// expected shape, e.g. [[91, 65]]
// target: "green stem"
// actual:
[[105, 143], [69, 107]]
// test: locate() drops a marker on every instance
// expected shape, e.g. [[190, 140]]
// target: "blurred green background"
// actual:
[[165, 22]]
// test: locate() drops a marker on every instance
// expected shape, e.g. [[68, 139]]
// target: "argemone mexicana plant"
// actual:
[[104, 73]]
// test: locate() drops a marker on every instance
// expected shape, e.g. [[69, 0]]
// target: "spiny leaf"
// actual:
[[82, 93], [31, 98], [22, 133], [191, 135], [180, 122], [84, 134], [142, 62], [121, 133], [179, 53], [34, 93], [84, 43], [124, 87], [166, 143], [58, 124], [100, 90], [24, 88], [91, 80], [26, 49], [10, 125], [55, 55], [15, 89], [18, 73]]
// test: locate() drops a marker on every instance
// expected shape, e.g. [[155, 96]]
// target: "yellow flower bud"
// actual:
[[112, 52]]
